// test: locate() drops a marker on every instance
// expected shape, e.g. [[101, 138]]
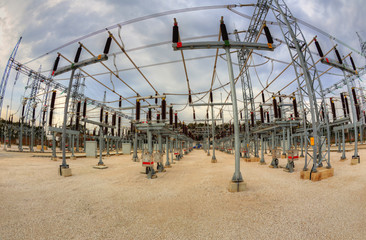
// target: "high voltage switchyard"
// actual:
[[274, 95]]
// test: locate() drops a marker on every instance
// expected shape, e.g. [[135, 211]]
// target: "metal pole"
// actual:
[[135, 157], [302, 145], [354, 116], [213, 160], [20, 146], [343, 157], [65, 120], [72, 146], [283, 142], [208, 140], [6, 126], [101, 146], [237, 177], [53, 146], [167, 163], [262, 151]]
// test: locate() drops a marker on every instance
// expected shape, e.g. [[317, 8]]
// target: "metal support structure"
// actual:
[[313, 94], [167, 148]]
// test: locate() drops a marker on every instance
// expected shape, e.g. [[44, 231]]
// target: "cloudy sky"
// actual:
[[47, 25]]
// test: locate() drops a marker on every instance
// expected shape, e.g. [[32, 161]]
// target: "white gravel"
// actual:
[[188, 201]]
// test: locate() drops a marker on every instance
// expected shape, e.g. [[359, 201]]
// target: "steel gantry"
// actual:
[[311, 92], [252, 35]]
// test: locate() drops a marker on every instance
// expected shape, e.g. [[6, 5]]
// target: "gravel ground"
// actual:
[[188, 201]]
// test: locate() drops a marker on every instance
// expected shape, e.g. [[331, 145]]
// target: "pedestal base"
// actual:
[[355, 160], [343, 159], [66, 172], [283, 156], [214, 160], [252, 159], [262, 163], [168, 166], [100, 167], [73, 158], [54, 158], [322, 173], [237, 186]]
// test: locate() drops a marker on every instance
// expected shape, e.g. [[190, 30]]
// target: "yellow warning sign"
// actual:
[[312, 141]]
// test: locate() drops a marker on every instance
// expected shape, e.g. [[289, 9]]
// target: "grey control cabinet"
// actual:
[[91, 148]]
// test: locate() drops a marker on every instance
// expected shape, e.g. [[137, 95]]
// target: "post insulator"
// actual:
[[241, 115], [268, 120], [263, 100], [52, 107], [120, 102], [119, 126], [207, 115], [343, 105], [114, 119], [175, 38], [347, 106], [23, 110], [211, 97], [77, 56], [353, 63], [176, 120], [55, 65], [275, 108], [43, 117], [252, 118], [149, 115], [279, 112], [194, 115], [171, 116], [262, 113], [190, 98], [77, 115], [225, 36], [318, 48], [107, 45], [34, 114], [158, 118], [137, 110], [294, 104], [268, 35], [163, 109], [101, 115], [84, 109], [338, 56], [332, 105]]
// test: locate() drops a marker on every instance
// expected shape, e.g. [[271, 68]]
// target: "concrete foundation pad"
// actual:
[[354, 161], [54, 158], [322, 173], [252, 159], [237, 186], [283, 156], [168, 166], [213, 160], [100, 166], [270, 166], [262, 163], [66, 172], [73, 158], [343, 159]]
